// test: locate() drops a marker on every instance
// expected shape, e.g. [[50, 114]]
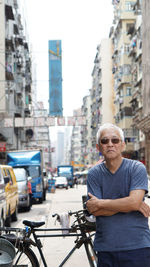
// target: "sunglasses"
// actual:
[[105, 141]]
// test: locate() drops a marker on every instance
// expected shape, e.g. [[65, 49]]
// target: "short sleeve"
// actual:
[[139, 179], [94, 184]]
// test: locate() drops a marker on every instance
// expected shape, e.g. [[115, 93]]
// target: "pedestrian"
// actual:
[[116, 189], [76, 181], [30, 192]]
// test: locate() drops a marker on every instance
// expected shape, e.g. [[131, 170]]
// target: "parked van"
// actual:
[[23, 190], [2, 200], [11, 191]]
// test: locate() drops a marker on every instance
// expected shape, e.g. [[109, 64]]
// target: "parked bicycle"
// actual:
[[25, 238]]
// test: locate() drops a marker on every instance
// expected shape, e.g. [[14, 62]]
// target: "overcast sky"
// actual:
[[80, 24]]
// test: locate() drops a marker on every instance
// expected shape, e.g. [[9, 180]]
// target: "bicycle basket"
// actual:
[[7, 253]]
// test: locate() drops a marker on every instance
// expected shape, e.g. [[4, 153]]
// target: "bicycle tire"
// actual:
[[91, 254], [26, 257]]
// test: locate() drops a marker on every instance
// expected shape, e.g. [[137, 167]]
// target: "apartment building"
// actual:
[[135, 53], [86, 140], [102, 92], [75, 148], [143, 115], [124, 21], [15, 74]]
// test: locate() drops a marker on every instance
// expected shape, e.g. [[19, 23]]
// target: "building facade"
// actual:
[[124, 20], [15, 74]]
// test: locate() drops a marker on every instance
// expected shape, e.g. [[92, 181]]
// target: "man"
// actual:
[[116, 189]]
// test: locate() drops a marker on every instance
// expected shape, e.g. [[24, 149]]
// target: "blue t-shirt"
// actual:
[[122, 231]]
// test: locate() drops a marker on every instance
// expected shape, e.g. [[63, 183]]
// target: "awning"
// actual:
[[9, 12], [84, 172]]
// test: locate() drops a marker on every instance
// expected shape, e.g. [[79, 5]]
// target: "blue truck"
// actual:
[[67, 171], [32, 162]]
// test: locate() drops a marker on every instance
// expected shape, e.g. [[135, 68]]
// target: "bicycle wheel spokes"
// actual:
[[26, 258]]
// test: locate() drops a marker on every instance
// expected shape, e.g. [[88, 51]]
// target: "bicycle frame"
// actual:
[[84, 239], [78, 230]]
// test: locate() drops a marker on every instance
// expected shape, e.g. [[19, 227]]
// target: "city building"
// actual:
[[124, 21], [15, 75], [86, 143], [135, 53], [102, 92], [75, 148], [143, 114]]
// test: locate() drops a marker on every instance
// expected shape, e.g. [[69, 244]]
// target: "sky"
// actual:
[[80, 25]]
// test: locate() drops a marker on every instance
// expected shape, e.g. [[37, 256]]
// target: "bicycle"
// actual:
[[25, 256]]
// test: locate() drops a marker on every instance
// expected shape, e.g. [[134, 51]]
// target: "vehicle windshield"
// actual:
[[32, 171], [20, 174], [61, 179]]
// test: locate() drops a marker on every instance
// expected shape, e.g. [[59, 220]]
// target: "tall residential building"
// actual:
[[135, 53], [143, 122], [75, 149], [102, 92], [15, 74], [86, 143], [124, 19]]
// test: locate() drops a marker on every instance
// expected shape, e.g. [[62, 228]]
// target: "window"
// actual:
[[9, 175], [126, 48], [128, 91], [128, 6]]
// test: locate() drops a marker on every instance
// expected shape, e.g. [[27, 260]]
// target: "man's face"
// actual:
[[110, 144]]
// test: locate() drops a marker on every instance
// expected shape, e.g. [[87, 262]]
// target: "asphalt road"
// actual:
[[55, 249]]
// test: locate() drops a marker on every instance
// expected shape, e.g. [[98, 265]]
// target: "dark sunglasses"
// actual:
[[105, 141]]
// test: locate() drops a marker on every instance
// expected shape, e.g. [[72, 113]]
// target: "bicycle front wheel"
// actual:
[[26, 257]]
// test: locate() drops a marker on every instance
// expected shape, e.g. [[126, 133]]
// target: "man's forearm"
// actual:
[[118, 205], [103, 212], [133, 202]]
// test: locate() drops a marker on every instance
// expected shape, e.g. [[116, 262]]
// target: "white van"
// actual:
[[23, 191]]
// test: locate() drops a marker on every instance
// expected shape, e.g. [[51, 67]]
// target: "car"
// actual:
[[22, 181], [61, 182], [11, 192]]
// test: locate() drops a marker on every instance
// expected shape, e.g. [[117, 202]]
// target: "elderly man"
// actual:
[[116, 189]]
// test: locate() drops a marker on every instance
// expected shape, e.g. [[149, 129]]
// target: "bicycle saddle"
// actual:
[[33, 224]]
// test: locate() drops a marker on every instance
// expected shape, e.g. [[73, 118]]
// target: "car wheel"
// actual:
[[44, 194], [41, 200], [29, 204], [15, 214], [8, 219]]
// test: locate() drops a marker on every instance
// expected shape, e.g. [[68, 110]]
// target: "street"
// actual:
[[55, 249]]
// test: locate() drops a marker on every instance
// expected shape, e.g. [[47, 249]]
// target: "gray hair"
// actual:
[[108, 126]]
